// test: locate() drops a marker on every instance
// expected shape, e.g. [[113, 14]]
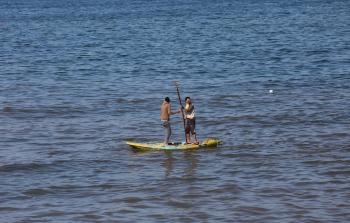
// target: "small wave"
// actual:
[[7, 209], [37, 192], [89, 217], [225, 189], [130, 101], [252, 210], [337, 172], [127, 211], [335, 135], [23, 167], [231, 118], [179, 204], [324, 162], [132, 200], [322, 61], [316, 52], [274, 191], [54, 110], [249, 146], [7, 109], [286, 50]]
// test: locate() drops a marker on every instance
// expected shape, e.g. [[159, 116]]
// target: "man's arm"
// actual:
[[172, 113], [169, 109]]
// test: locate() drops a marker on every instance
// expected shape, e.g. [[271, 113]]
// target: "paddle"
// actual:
[[182, 112]]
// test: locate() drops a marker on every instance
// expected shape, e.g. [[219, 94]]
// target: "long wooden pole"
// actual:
[[182, 112]]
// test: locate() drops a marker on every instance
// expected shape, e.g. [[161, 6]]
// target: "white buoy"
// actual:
[[271, 91]]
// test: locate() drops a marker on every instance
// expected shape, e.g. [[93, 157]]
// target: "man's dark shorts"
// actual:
[[190, 126]]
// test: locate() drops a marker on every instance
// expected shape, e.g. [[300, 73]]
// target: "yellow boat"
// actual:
[[174, 146]]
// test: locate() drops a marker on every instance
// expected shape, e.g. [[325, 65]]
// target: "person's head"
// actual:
[[167, 99], [188, 100]]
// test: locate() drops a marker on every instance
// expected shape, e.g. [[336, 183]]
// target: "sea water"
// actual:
[[269, 78]]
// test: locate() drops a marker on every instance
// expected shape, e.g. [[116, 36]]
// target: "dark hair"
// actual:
[[167, 99], [187, 98]]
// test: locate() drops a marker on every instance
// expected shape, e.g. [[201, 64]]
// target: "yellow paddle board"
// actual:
[[174, 146]]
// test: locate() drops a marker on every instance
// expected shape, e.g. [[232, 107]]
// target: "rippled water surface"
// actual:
[[78, 78]]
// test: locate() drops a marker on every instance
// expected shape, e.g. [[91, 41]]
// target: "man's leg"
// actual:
[[187, 131], [195, 138], [193, 131], [188, 138], [168, 133]]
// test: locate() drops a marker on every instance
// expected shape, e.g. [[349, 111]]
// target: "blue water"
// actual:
[[78, 78]]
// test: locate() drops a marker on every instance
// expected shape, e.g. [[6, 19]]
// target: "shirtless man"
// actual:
[[190, 121], [165, 112]]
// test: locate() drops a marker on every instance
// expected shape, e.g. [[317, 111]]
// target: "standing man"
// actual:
[[165, 112], [190, 121]]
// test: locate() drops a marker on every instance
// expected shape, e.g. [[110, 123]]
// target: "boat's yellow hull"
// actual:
[[175, 146]]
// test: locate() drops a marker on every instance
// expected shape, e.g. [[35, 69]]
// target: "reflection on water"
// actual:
[[191, 164], [185, 164], [168, 163]]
